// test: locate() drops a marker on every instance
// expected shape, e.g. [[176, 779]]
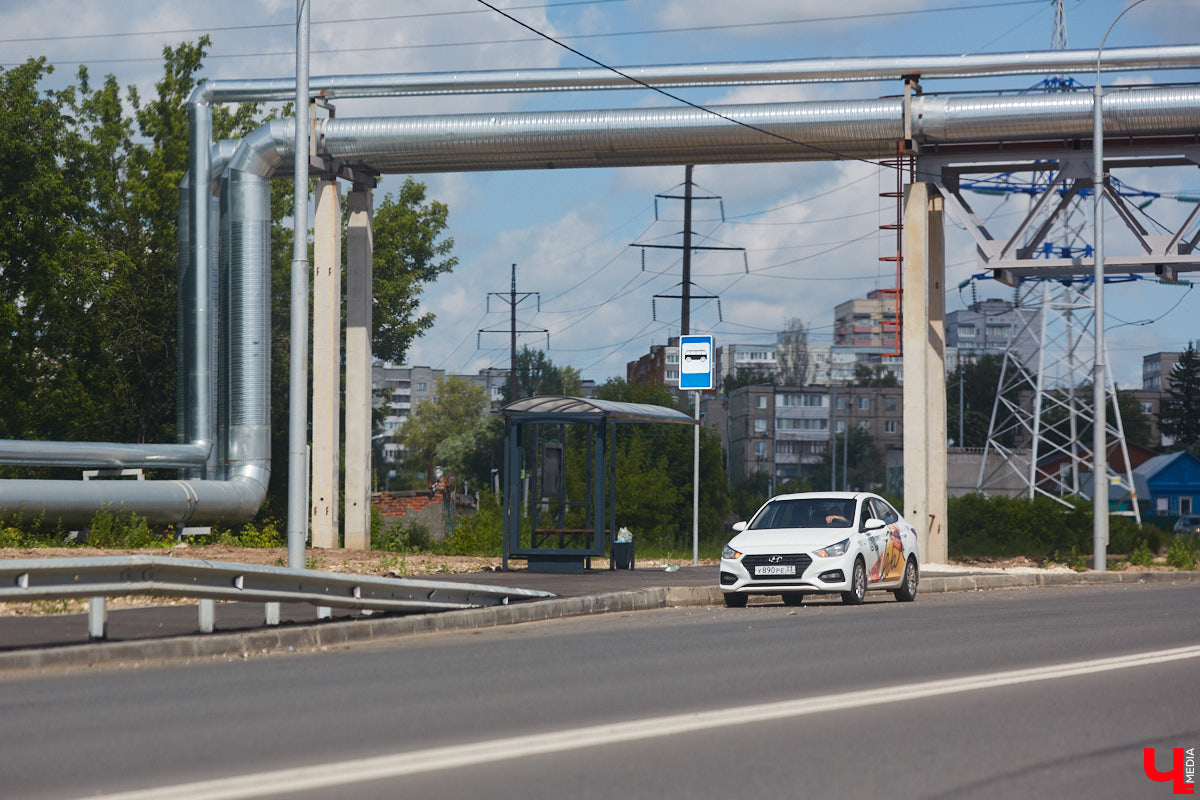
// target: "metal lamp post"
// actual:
[[1099, 383]]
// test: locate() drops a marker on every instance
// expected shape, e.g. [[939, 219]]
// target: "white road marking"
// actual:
[[362, 770]]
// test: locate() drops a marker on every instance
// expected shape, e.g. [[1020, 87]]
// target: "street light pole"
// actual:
[[1099, 382]]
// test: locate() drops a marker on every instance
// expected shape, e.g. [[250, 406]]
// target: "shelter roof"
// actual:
[[559, 408]]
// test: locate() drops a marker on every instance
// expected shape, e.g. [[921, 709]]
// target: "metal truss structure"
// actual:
[[1042, 413], [1021, 254]]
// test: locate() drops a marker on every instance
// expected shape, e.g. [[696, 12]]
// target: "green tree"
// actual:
[[979, 381], [744, 376], [861, 468], [1179, 416], [453, 412], [1134, 419], [874, 375], [651, 458], [410, 251], [88, 257], [536, 375]]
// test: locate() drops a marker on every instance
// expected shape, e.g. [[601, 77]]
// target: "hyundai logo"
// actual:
[[775, 559]]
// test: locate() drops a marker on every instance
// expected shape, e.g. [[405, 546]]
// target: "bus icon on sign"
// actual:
[[695, 362]]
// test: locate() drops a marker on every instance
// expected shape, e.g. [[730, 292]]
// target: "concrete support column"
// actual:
[[326, 362], [924, 325], [359, 250]]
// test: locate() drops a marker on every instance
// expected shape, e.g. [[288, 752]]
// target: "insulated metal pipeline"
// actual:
[[668, 76]]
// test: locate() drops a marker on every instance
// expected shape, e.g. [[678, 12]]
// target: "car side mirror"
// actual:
[[738, 527], [873, 524]]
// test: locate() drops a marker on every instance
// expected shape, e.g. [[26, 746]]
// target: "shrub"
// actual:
[[1182, 553], [478, 534], [12, 537], [1141, 556], [981, 526], [122, 530], [402, 536]]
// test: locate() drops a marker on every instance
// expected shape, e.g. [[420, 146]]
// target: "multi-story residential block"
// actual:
[[747, 358], [398, 389], [1156, 381], [785, 431], [868, 322], [659, 366], [991, 327]]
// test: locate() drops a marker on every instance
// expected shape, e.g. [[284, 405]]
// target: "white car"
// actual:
[[797, 544]]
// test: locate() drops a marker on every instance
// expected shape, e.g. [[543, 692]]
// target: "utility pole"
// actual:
[[685, 312], [513, 298], [686, 295]]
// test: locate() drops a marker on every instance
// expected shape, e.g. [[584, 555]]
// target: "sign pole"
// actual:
[[696, 485], [696, 375]]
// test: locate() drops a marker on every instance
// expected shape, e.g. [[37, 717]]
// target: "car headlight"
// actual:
[[835, 550], [729, 552]]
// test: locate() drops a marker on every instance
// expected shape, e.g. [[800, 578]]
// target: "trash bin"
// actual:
[[622, 553]]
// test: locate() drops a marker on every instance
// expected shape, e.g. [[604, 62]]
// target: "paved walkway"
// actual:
[[168, 632]]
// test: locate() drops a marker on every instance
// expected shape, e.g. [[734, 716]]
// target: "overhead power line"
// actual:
[[291, 25]]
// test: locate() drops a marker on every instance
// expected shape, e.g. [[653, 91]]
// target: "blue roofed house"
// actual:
[[1167, 485]]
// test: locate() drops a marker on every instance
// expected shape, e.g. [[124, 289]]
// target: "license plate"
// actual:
[[783, 569]]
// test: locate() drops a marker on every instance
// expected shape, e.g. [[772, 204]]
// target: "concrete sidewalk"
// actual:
[[168, 632]]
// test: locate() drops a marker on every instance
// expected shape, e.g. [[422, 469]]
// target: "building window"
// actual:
[[864, 404], [841, 404], [1147, 408], [760, 449], [1185, 505], [889, 403], [421, 386], [1162, 506], [889, 426], [760, 426], [840, 427], [814, 400], [966, 331], [761, 401]]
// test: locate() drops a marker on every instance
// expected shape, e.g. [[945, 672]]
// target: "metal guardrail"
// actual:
[[116, 576]]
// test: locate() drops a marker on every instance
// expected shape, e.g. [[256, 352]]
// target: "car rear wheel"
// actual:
[[793, 598], [908, 586], [858, 585], [736, 599]]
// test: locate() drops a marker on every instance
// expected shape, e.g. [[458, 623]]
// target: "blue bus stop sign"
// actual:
[[696, 362]]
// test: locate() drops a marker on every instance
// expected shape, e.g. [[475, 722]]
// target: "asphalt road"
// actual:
[[848, 702]]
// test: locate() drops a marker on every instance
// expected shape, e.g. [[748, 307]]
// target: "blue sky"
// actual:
[[810, 230]]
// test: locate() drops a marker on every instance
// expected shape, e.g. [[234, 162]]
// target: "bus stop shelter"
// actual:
[[535, 456]]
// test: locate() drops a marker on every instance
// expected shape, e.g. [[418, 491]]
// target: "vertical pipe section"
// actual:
[[359, 252], [194, 278], [298, 347]]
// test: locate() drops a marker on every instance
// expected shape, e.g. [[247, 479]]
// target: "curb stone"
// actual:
[[336, 634]]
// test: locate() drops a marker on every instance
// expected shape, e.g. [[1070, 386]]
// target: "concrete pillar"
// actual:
[[326, 362], [359, 250], [923, 319]]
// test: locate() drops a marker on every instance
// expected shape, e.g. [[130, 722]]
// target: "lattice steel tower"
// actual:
[[1042, 416]]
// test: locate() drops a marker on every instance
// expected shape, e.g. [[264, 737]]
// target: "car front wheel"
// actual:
[[858, 586], [908, 587], [735, 599]]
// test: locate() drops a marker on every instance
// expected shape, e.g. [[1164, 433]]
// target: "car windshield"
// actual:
[[807, 512]]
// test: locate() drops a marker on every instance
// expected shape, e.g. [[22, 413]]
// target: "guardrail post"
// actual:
[[97, 618], [324, 612], [208, 614], [272, 613]]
